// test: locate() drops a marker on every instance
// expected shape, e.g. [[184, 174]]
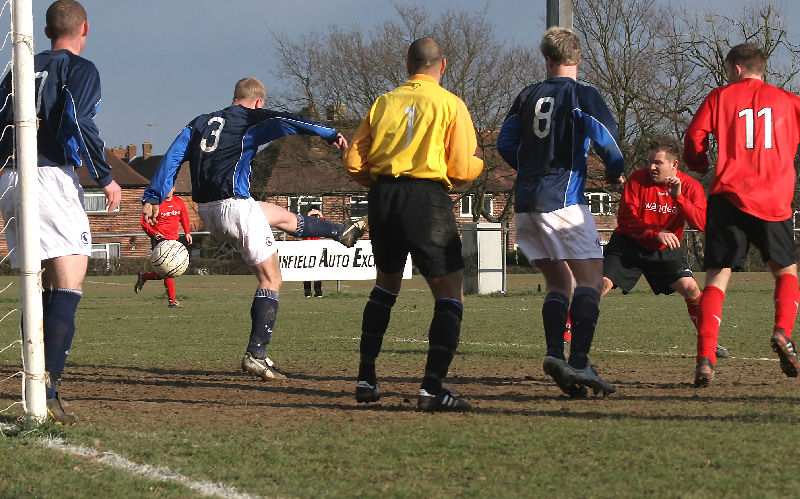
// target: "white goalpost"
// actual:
[[25, 161]]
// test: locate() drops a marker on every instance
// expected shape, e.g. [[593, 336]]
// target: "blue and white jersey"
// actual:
[[220, 146], [67, 99], [545, 138]]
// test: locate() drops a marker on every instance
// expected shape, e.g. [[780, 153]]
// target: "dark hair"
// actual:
[[749, 56], [424, 52], [667, 144]]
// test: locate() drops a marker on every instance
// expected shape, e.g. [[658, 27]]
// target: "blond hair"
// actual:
[[562, 45], [64, 18], [249, 89]]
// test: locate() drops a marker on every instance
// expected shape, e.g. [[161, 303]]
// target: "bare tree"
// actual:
[[350, 68]]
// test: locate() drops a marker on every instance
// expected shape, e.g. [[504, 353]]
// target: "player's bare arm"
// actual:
[[150, 212], [113, 194]]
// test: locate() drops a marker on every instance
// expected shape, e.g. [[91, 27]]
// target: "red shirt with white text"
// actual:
[[171, 214], [646, 209]]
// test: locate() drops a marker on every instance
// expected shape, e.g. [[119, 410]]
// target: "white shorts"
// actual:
[[242, 223], [565, 234], [63, 223]]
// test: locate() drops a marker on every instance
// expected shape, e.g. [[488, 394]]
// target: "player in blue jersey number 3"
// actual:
[[545, 138], [219, 147]]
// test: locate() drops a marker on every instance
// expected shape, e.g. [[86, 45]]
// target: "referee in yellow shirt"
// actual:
[[416, 142]]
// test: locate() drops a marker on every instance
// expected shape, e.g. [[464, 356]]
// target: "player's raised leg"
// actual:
[[300, 225]]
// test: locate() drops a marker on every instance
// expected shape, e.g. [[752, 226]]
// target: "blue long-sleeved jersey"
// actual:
[[67, 100], [220, 147], [546, 137]]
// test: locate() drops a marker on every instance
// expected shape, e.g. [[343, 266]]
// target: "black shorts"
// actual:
[[730, 232], [624, 262], [408, 215]]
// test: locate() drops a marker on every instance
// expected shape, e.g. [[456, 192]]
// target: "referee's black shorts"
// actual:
[[409, 215], [730, 232], [624, 262]]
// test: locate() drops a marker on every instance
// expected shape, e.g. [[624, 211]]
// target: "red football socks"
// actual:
[[169, 283], [787, 295], [709, 319]]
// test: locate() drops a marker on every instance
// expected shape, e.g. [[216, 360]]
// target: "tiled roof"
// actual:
[[125, 176], [147, 168]]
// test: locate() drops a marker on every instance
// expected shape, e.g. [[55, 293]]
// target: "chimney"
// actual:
[[130, 151], [118, 152], [147, 150]]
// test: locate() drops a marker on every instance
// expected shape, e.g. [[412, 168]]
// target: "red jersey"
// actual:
[[646, 209], [757, 132], [170, 214]]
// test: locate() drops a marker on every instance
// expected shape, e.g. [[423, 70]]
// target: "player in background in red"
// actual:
[[757, 130], [171, 213], [657, 202]]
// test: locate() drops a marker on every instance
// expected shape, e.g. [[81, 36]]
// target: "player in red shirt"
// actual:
[[171, 213], [750, 201], [656, 204]]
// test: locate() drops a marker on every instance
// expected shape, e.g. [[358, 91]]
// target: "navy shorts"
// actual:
[[409, 215], [730, 232], [624, 262]]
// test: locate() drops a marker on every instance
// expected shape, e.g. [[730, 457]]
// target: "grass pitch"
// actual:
[[162, 387]]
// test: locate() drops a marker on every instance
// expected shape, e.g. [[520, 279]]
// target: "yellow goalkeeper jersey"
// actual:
[[417, 130]]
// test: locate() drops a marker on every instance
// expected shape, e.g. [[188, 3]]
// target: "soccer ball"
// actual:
[[169, 258]]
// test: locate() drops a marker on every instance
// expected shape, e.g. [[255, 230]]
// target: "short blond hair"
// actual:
[[64, 18], [249, 89], [562, 45]]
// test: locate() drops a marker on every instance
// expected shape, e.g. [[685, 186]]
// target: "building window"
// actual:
[[599, 203], [301, 204], [465, 210], [95, 202], [106, 251], [358, 207]]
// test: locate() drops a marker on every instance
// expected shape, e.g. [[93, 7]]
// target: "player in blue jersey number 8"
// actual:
[[547, 123]]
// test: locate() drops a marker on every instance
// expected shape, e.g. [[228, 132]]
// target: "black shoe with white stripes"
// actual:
[[366, 392], [444, 401]]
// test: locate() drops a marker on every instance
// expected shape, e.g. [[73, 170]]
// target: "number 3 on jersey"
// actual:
[[213, 134], [749, 128], [542, 119]]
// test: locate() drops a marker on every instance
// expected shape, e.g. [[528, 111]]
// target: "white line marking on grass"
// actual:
[[157, 473]]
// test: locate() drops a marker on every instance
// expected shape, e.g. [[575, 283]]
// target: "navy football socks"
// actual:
[[263, 313], [317, 227], [375, 320], [59, 307], [443, 339], [583, 313], [554, 319]]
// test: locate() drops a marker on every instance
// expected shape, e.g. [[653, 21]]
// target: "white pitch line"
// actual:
[[158, 473]]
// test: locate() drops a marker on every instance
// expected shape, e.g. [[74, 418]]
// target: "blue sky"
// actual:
[[162, 62]]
